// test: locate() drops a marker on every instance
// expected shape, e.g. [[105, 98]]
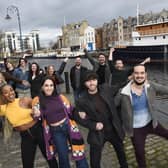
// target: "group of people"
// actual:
[[111, 101]]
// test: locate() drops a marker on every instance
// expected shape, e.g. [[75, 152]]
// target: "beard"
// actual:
[[139, 83]]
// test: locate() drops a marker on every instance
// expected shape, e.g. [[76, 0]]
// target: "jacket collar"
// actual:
[[127, 89]]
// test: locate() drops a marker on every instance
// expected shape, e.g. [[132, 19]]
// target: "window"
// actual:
[[155, 37], [164, 37]]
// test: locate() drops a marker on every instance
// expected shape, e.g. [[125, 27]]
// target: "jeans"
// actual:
[[139, 137], [30, 139], [60, 136]]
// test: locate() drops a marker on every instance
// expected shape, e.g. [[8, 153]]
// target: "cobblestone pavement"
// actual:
[[156, 153]]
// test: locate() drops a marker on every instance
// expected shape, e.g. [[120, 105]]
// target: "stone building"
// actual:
[[98, 38], [118, 32], [78, 36]]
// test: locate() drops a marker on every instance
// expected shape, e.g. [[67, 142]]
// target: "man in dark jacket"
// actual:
[[101, 67], [96, 111], [76, 74]]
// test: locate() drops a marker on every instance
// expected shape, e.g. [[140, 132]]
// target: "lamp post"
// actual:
[[15, 9]]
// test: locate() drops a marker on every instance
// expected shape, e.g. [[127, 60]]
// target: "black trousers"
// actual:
[[30, 139], [138, 141], [96, 151]]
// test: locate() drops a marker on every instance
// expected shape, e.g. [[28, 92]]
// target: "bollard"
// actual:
[[67, 82]]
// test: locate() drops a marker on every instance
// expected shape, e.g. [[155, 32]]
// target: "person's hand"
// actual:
[[66, 59], [82, 115], [99, 126], [112, 50], [36, 111], [25, 83], [147, 60]]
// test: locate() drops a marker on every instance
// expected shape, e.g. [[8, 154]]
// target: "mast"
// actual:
[[137, 14]]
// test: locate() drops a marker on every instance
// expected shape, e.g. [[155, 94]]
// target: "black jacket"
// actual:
[[35, 84], [73, 77], [85, 104]]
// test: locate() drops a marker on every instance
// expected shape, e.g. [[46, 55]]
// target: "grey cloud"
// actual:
[[36, 14]]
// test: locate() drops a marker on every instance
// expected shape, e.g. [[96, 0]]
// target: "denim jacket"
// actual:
[[18, 73]]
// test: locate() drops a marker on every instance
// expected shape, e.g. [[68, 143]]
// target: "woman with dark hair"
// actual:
[[18, 111], [56, 111], [35, 79]]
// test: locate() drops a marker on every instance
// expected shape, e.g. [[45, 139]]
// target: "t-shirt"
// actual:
[[16, 115], [140, 109]]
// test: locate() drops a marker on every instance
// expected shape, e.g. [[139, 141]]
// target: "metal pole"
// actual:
[[16, 9]]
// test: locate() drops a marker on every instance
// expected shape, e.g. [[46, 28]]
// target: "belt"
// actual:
[[25, 127]]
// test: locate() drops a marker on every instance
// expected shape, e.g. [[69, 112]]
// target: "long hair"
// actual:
[[38, 68], [20, 59], [42, 95]]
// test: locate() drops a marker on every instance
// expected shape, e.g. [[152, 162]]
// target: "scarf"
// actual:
[[76, 142]]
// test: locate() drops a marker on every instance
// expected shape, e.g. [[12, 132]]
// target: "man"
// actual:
[[96, 111], [76, 74], [138, 112], [100, 67], [120, 74]]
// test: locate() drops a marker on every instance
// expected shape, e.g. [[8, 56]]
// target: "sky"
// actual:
[[49, 15]]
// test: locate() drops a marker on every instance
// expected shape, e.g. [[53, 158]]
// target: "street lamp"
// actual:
[[13, 8]]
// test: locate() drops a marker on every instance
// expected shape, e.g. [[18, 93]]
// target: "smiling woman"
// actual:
[[18, 112]]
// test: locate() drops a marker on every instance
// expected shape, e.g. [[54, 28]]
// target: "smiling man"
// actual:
[[139, 112], [96, 111]]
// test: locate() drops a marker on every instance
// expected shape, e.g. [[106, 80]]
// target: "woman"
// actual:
[[18, 112], [56, 110], [35, 79]]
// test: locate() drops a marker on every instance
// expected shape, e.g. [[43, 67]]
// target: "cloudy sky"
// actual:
[[49, 15]]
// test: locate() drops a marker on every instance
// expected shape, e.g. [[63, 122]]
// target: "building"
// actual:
[[78, 36], [118, 32], [11, 42], [98, 38]]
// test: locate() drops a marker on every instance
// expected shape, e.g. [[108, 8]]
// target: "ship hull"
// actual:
[[135, 53]]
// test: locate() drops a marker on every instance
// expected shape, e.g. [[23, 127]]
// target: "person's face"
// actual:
[[48, 87], [119, 64], [51, 70], [139, 75], [91, 85], [8, 93], [78, 62], [102, 59], [22, 63], [9, 65], [34, 67]]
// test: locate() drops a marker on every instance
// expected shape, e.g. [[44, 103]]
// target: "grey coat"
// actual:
[[124, 100]]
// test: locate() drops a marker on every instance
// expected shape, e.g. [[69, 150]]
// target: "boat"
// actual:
[[148, 40]]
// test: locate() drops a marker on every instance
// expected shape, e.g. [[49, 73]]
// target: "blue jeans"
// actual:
[[60, 136]]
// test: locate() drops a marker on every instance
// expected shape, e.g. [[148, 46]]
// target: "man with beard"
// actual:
[[76, 74], [138, 111], [96, 111], [120, 74], [101, 67]]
